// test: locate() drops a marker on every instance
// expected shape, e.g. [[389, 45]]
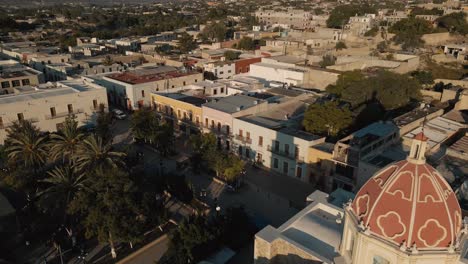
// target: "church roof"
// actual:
[[411, 205]]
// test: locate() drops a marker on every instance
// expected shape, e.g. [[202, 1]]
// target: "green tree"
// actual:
[[203, 149], [408, 32], [62, 184], [64, 143], [382, 46], [107, 61], [191, 242], [340, 15], [231, 55], [215, 32], [454, 22], [186, 43], [109, 209], [424, 77], [25, 145], [372, 32], [327, 60], [93, 154], [246, 43], [340, 45], [143, 124], [234, 168], [327, 119]]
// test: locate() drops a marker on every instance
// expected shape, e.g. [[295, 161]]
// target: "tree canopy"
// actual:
[[408, 32], [327, 119], [340, 15], [454, 22], [390, 89], [246, 43], [186, 43]]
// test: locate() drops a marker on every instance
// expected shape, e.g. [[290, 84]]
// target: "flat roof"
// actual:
[[197, 101], [325, 147], [461, 146], [44, 91], [414, 115], [233, 103], [278, 66], [135, 78], [287, 59]]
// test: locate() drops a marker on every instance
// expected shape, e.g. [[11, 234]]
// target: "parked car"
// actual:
[[119, 114]]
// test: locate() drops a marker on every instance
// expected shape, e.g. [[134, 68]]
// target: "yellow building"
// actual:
[[320, 162], [184, 111]]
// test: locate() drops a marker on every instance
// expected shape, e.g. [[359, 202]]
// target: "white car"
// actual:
[[119, 114]]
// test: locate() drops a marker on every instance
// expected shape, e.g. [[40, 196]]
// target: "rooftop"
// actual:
[[149, 75], [27, 94], [317, 229], [234, 103], [197, 101], [414, 115]]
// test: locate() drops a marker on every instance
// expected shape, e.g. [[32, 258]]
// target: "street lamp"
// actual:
[[218, 209]]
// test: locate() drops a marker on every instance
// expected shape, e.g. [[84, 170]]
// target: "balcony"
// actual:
[[64, 114], [243, 139], [285, 154]]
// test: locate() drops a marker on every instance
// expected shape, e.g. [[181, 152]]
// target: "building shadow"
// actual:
[[286, 259]]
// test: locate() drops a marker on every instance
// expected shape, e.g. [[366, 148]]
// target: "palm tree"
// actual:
[[63, 183], [93, 154], [65, 143], [24, 144]]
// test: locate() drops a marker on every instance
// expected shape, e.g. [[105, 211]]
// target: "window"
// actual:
[[228, 146], [197, 120], [296, 152], [240, 150], [212, 123], [70, 108], [184, 83], [248, 135], [95, 104], [142, 93], [206, 122], [222, 90], [285, 167], [196, 80], [276, 144], [286, 149], [228, 129], [6, 84], [299, 172], [219, 127], [25, 81], [53, 112], [20, 116], [1, 122], [241, 133], [275, 163], [215, 91], [15, 83], [59, 126], [380, 260], [260, 141]]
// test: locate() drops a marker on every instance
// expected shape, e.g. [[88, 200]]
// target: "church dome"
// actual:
[[410, 204]]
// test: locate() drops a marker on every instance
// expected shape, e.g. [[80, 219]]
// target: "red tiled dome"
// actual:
[[409, 204]]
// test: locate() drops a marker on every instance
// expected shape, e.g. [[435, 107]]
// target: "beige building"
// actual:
[[131, 89], [290, 18], [14, 75], [47, 106]]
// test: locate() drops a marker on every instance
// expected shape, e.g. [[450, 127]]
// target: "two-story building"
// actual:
[[131, 89], [47, 105]]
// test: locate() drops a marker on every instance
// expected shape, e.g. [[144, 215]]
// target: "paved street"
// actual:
[[269, 198], [149, 253]]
